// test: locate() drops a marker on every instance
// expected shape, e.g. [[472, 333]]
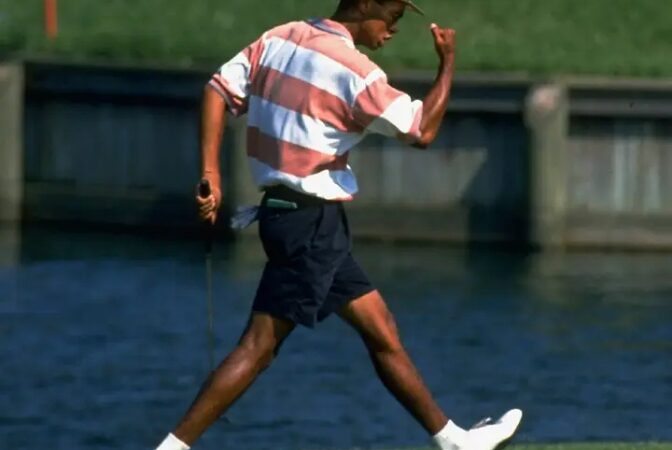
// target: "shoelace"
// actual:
[[482, 423]]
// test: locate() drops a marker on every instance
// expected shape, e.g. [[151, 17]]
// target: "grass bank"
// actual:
[[608, 37], [588, 446], [596, 446]]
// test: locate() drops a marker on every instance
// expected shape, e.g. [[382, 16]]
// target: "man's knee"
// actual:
[[262, 339], [258, 348], [374, 322], [382, 336]]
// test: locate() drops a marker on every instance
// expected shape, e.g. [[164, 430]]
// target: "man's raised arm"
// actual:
[[436, 101]]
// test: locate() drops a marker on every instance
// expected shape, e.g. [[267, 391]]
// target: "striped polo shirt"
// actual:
[[310, 97]]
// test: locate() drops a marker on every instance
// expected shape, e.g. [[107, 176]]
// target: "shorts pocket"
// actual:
[[287, 233]]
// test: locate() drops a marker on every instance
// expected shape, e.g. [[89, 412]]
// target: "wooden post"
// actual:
[[547, 119], [51, 18], [11, 142]]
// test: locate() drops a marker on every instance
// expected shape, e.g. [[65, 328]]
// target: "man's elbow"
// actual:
[[425, 140]]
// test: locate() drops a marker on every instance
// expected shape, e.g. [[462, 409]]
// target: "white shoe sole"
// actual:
[[515, 417], [510, 422]]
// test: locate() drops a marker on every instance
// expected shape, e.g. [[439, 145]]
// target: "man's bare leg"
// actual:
[[374, 322], [255, 351]]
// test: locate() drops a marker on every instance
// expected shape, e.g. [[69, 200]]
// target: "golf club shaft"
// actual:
[[204, 191]]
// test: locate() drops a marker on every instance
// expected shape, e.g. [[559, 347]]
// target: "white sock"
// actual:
[[451, 437], [171, 442]]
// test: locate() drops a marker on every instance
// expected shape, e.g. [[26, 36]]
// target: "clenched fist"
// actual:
[[444, 42]]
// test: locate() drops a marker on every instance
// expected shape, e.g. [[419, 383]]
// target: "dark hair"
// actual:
[[347, 4]]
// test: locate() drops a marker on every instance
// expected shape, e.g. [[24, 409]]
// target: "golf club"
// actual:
[[204, 191]]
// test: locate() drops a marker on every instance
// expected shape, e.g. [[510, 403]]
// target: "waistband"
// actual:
[[283, 193]]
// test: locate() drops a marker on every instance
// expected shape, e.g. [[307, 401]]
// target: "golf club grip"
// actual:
[[204, 191], [204, 188]]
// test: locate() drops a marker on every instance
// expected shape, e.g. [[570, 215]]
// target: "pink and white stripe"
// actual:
[[311, 97]]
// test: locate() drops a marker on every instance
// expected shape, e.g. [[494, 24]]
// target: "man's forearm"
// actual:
[[213, 122], [436, 103]]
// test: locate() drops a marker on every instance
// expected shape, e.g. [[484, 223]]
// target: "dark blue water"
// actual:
[[103, 345]]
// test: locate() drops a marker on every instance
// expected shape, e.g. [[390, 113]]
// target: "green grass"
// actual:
[[612, 37], [591, 446]]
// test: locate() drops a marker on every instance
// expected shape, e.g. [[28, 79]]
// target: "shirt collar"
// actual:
[[331, 26]]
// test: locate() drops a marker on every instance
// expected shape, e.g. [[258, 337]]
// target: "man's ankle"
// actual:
[[171, 442], [450, 437]]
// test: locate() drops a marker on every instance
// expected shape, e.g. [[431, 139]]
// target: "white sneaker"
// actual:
[[489, 435]]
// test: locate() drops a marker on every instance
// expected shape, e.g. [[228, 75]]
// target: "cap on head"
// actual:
[[345, 4], [413, 6]]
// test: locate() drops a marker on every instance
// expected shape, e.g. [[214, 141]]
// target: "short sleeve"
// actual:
[[233, 79], [382, 109]]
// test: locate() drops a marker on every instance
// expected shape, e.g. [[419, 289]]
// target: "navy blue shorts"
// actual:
[[310, 272]]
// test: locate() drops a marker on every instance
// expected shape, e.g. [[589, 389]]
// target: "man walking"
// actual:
[[310, 97]]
